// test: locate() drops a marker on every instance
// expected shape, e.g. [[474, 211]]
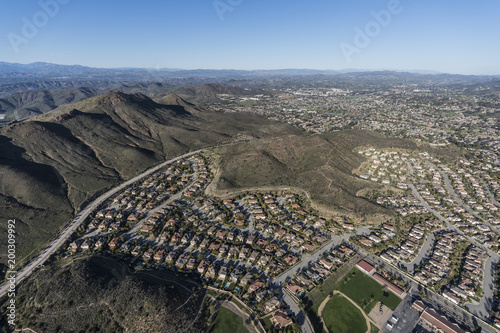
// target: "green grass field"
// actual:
[[374, 329], [340, 315], [318, 294], [268, 323], [365, 291], [228, 322]]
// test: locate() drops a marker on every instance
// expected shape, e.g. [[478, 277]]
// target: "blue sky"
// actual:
[[446, 36]]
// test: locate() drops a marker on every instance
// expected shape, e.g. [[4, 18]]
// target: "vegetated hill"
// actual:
[[208, 93], [150, 89], [30, 103], [98, 294], [51, 164], [320, 164], [23, 105]]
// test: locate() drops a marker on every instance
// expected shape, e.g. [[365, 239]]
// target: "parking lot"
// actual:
[[406, 318]]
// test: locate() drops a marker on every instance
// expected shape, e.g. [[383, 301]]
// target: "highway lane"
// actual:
[[80, 218], [293, 304]]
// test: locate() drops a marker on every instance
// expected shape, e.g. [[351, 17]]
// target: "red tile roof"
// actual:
[[432, 317], [365, 266], [395, 289]]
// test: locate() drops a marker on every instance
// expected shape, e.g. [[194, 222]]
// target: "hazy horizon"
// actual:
[[400, 35]]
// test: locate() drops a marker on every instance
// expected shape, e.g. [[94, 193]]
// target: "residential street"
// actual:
[[304, 262], [483, 307], [303, 320], [80, 218], [424, 251]]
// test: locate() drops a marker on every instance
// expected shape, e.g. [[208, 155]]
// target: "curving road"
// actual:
[[487, 190], [424, 251], [80, 218], [482, 309]]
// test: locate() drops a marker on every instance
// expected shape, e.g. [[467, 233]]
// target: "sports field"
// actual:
[[365, 291], [341, 316]]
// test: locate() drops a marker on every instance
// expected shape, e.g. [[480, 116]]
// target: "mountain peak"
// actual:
[[173, 99]]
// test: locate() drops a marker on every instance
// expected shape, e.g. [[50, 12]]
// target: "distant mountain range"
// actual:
[[15, 72], [26, 104]]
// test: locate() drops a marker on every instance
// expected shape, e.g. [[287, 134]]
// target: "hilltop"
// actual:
[[30, 103], [208, 93], [322, 165], [53, 163]]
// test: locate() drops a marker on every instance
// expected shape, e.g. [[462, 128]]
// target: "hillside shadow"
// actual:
[[15, 157]]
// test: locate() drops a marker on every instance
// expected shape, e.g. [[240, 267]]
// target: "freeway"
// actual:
[[80, 218]]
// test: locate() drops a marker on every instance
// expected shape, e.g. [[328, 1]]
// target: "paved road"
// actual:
[[304, 262], [487, 190], [231, 306], [133, 231], [73, 225], [280, 280], [451, 191], [407, 317], [454, 311], [336, 292], [481, 309], [293, 303], [302, 319], [425, 251]]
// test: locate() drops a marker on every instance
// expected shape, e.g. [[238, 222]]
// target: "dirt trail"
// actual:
[[336, 292]]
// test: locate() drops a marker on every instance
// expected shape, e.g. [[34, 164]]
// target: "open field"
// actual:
[[365, 291], [341, 316], [228, 322], [374, 329], [318, 294], [321, 165]]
